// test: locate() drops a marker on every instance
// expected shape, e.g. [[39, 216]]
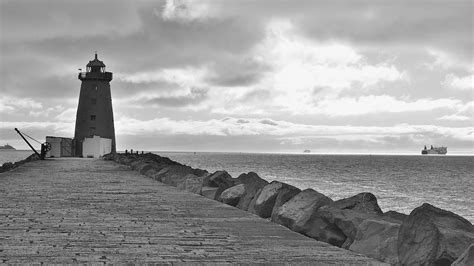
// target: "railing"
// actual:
[[95, 75]]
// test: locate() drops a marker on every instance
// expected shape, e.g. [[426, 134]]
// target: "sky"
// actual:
[[331, 76]]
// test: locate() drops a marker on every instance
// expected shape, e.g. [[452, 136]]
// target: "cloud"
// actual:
[[184, 77], [294, 73], [459, 83], [177, 87], [231, 126], [465, 112], [187, 10], [42, 128], [351, 106], [11, 104], [57, 18], [301, 63], [441, 59], [237, 71], [338, 63], [269, 122], [404, 24], [194, 97], [379, 104], [68, 115], [455, 117]]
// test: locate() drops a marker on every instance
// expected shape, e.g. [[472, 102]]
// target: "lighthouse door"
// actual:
[[66, 148]]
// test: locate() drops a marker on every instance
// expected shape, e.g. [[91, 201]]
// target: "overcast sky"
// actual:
[[267, 76]]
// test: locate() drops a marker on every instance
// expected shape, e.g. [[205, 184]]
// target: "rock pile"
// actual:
[[428, 236], [9, 165]]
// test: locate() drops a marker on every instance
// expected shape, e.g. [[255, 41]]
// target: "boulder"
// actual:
[[6, 167], [221, 179], [32, 157], [144, 168], [346, 220], [251, 205], [286, 193], [191, 183], [432, 236], [200, 172], [250, 177], [138, 164], [272, 196], [175, 174], [253, 184], [232, 195], [362, 202], [296, 211], [336, 223], [377, 239], [211, 192], [109, 156], [395, 216], [125, 160], [151, 172], [9, 165], [159, 160], [466, 258], [161, 173]]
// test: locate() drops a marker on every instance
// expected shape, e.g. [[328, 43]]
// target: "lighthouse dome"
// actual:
[[95, 63], [96, 66]]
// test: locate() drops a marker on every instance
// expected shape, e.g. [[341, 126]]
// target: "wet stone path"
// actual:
[[94, 211]]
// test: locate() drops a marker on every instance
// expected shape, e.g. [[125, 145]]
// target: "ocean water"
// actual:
[[400, 182]]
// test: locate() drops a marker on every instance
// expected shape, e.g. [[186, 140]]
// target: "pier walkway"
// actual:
[[94, 211]]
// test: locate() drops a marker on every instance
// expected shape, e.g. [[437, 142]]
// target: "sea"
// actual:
[[400, 182]]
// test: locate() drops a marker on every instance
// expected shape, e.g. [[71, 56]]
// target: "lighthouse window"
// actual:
[[92, 117], [91, 131], [96, 87]]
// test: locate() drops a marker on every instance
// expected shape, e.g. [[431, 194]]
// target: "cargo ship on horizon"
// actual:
[[435, 150]]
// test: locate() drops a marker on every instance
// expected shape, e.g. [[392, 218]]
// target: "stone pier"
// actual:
[[94, 211]]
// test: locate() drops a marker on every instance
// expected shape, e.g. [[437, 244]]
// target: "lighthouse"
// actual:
[[94, 117]]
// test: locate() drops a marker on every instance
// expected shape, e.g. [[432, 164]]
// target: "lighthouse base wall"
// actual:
[[96, 147]]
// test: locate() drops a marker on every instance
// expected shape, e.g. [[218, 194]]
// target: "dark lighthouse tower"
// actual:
[[94, 113]]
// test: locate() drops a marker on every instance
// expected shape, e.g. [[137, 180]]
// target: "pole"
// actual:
[[18, 131]]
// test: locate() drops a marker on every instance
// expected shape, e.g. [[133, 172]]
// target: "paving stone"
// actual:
[[71, 210]]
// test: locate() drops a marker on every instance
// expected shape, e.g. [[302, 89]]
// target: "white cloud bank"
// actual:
[[12, 104], [459, 83], [304, 72], [464, 113], [380, 104], [232, 126], [186, 10]]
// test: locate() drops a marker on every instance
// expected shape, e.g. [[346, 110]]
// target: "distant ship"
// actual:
[[7, 147], [435, 150], [307, 151]]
